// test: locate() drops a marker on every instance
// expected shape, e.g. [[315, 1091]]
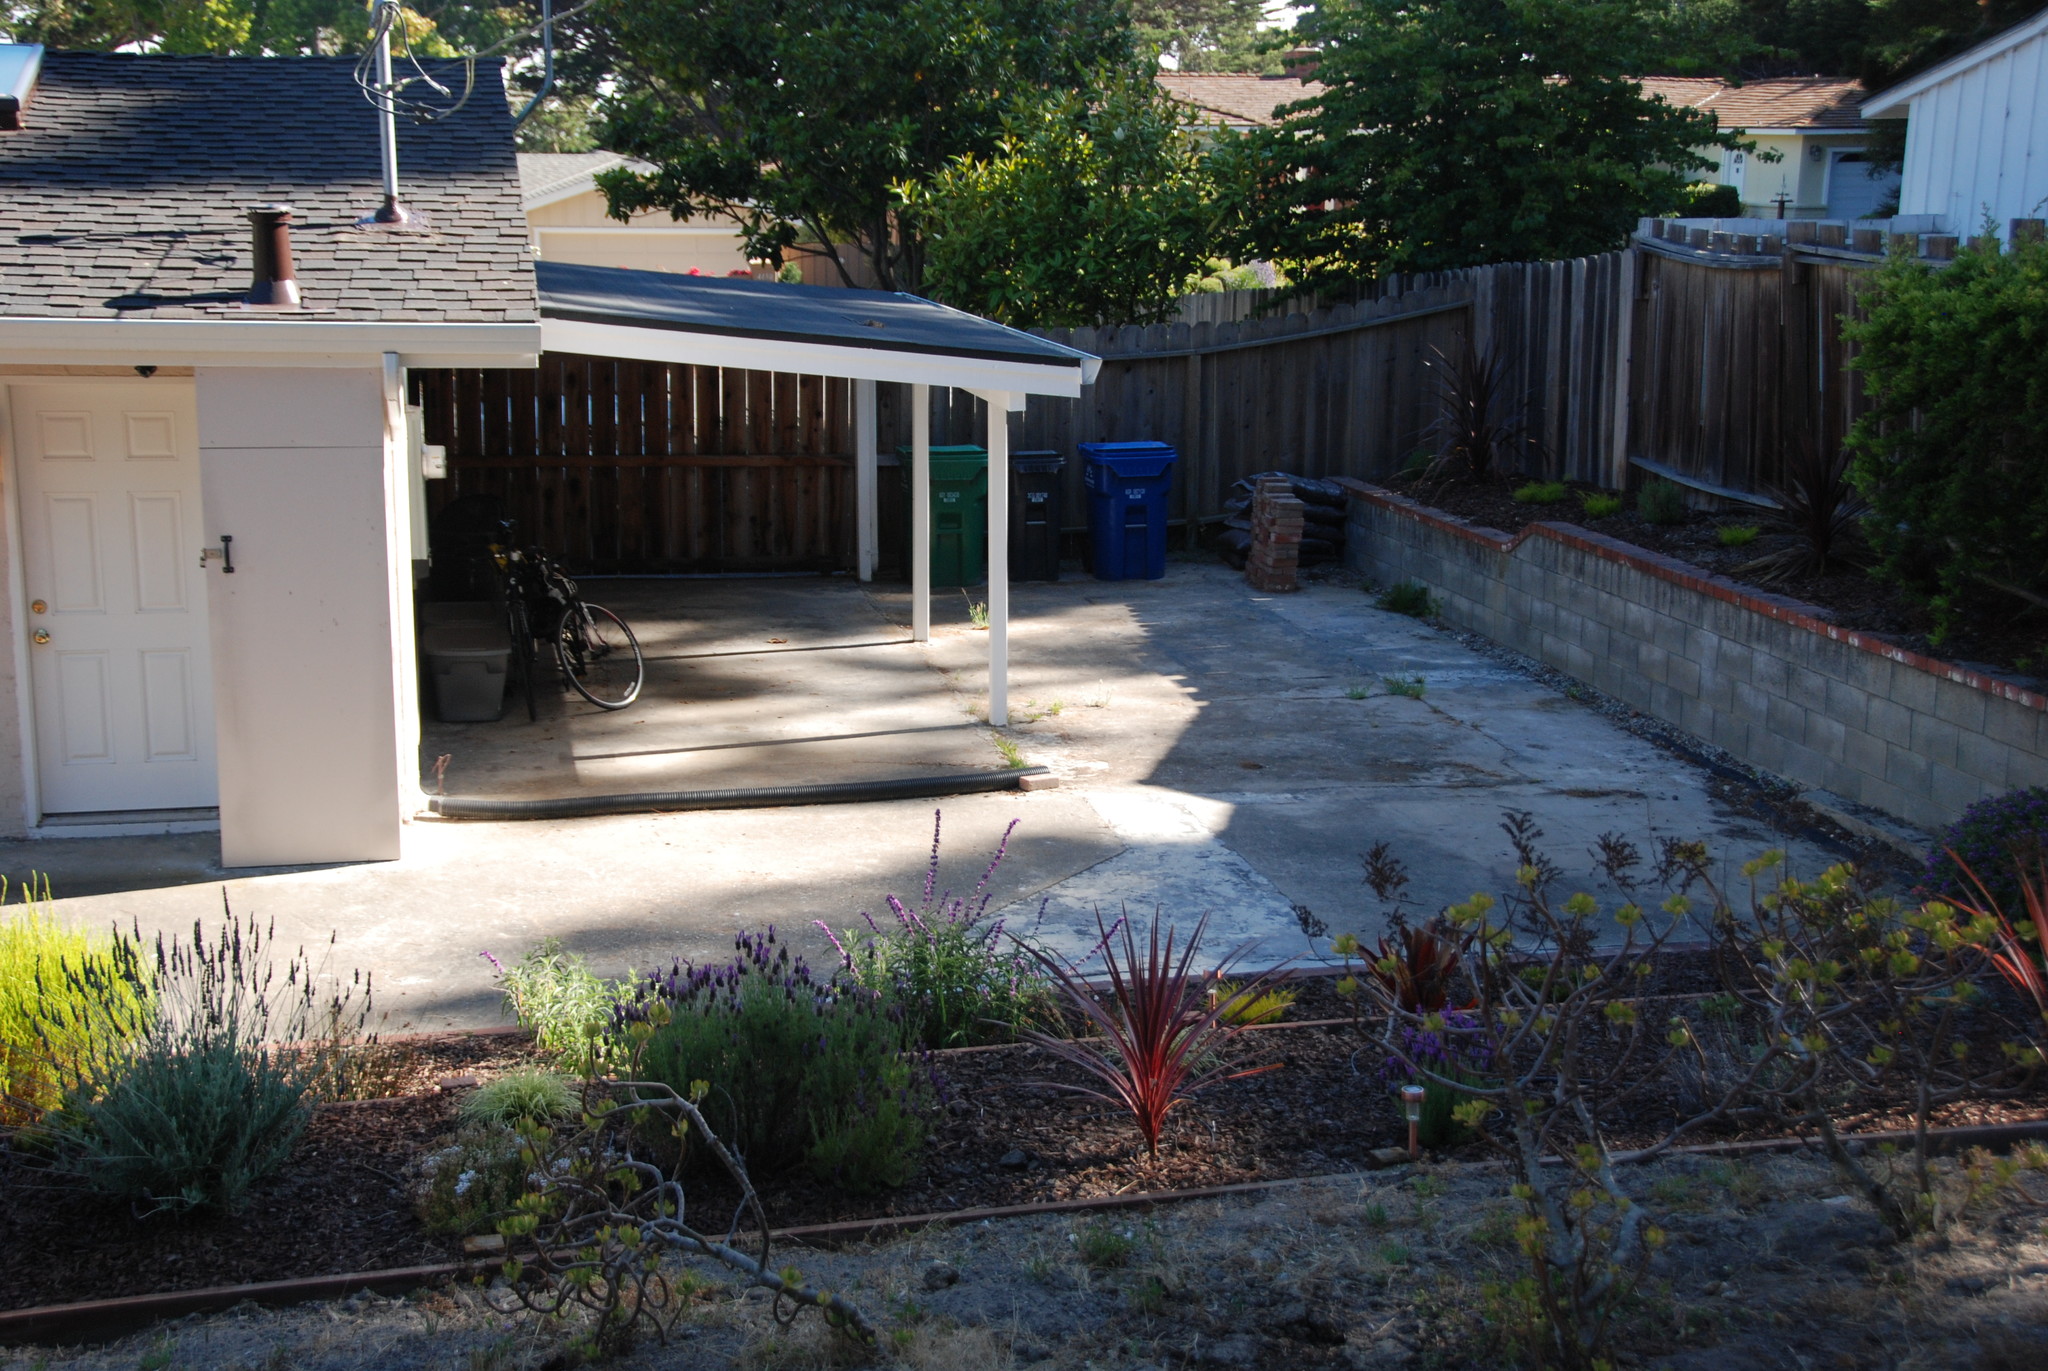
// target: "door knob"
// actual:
[[42, 635]]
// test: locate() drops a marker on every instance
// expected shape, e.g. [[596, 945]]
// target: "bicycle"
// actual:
[[593, 647]]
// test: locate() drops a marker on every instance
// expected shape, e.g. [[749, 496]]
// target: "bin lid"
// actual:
[[1131, 459], [1036, 462], [960, 462], [466, 639]]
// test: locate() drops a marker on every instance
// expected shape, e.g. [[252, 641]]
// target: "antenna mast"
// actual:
[[386, 14]]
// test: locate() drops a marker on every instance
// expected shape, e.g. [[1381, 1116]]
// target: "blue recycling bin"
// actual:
[[1127, 486]]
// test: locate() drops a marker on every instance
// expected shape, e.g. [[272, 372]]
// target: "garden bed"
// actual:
[[339, 1206], [1851, 598]]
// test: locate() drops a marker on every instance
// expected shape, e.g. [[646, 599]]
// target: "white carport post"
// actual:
[[1000, 405], [921, 513], [864, 462]]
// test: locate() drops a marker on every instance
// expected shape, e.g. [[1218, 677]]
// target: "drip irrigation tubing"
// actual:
[[757, 797]]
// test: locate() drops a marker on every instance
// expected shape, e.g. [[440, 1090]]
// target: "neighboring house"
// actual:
[[1236, 100], [565, 216], [1812, 123], [159, 421], [1976, 132]]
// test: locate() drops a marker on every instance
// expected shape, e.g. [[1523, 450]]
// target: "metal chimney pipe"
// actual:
[[273, 281], [391, 211]]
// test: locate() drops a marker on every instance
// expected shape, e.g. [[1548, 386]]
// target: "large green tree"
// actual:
[[1094, 208], [1457, 132], [1204, 35], [802, 119]]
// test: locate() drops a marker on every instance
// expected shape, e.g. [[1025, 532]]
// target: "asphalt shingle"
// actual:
[[124, 194]]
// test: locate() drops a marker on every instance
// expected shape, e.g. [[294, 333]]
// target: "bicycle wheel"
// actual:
[[599, 655], [523, 662]]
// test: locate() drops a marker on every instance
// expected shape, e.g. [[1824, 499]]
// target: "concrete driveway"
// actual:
[[1221, 753]]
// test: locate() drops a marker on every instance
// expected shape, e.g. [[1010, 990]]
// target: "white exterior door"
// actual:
[[108, 487]]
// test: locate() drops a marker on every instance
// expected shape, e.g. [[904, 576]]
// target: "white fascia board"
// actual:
[[264, 343], [810, 359], [572, 187], [1897, 102]]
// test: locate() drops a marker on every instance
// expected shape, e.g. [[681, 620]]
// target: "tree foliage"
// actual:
[[1204, 35], [1953, 454], [257, 27], [1092, 210], [1458, 132], [800, 118]]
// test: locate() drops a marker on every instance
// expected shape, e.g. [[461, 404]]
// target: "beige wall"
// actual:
[[1799, 172], [293, 465], [577, 230]]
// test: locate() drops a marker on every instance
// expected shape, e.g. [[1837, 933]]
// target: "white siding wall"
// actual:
[[1980, 139], [305, 650]]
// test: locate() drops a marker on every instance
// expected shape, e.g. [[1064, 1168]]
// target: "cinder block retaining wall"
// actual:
[[1767, 679]]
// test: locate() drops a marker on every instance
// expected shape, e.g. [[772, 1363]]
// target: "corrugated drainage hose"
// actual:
[[765, 797]]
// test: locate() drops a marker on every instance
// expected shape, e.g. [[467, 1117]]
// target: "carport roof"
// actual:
[[817, 330]]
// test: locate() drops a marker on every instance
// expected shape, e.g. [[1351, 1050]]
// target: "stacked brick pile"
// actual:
[[1277, 519]]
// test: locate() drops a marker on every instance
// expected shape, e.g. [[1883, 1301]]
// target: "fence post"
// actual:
[[1615, 473]]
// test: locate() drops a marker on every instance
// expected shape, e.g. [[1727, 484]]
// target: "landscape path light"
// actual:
[[1411, 1107]]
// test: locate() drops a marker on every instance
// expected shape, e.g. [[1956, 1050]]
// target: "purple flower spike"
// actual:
[[496, 965]]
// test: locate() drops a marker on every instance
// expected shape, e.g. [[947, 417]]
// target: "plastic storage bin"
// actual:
[[1035, 515], [1127, 489], [466, 660], [959, 513]]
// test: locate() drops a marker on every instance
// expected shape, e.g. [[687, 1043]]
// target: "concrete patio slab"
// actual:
[[1222, 752]]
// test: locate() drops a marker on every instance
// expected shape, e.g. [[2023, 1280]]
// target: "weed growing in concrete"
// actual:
[[1411, 598], [1542, 493], [1358, 692], [1012, 758], [977, 613], [1407, 687], [1600, 506], [1737, 535]]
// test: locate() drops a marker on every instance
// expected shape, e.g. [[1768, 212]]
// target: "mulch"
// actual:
[[1009, 1137], [1850, 598]]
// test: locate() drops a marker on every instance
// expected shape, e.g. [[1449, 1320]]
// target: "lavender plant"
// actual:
[[1445, 1053], [950, 967], [800, 1070]]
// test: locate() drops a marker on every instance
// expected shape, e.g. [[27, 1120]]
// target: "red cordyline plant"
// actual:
[[2010, 954], [1160, 1038]]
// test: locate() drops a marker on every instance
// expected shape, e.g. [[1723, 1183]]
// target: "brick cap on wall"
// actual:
[[1796, 613]]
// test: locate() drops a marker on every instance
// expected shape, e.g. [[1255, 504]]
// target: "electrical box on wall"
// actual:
[[433, 462]]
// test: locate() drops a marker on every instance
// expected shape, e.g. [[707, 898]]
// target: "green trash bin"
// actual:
[[959, 513]]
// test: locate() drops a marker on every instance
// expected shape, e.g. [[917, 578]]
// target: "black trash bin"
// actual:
[[1035, 515]]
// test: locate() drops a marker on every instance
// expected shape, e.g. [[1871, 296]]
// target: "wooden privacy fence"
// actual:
[[1738, 360], [1706, 366], [624, 466]]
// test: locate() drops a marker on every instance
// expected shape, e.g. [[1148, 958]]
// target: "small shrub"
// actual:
[[1103, 1246], [205, 1102], [1708, 200], [519, 1099], [65, 1006], [1661, 502], [1411, 598], [1155, 1043], [1993, 838], [801, 1071], [1542, 493], [569, 1008], [467, 1186], [1241, 1008], [1737, 535], [1601, 506], [949, 967]]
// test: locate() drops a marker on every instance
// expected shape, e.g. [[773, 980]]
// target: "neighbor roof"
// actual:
[[1805, 103], [124, 194], [1237, 98], [819, 330], [548, 176]]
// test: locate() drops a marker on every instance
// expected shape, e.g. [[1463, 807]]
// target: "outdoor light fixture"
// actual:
[[1411, 1107]]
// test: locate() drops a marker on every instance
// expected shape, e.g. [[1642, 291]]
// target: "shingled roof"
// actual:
[[1815, 103], [123, 194], [1241, 100]]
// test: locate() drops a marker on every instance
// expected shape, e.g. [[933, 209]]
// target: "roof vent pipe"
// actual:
[[20, 65], [274, 282]]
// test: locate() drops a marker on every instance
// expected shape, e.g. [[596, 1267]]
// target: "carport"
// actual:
[[863, 336]]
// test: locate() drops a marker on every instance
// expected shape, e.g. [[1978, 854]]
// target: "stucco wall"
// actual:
[[293, 467], [1764, 678], [577, 230]]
